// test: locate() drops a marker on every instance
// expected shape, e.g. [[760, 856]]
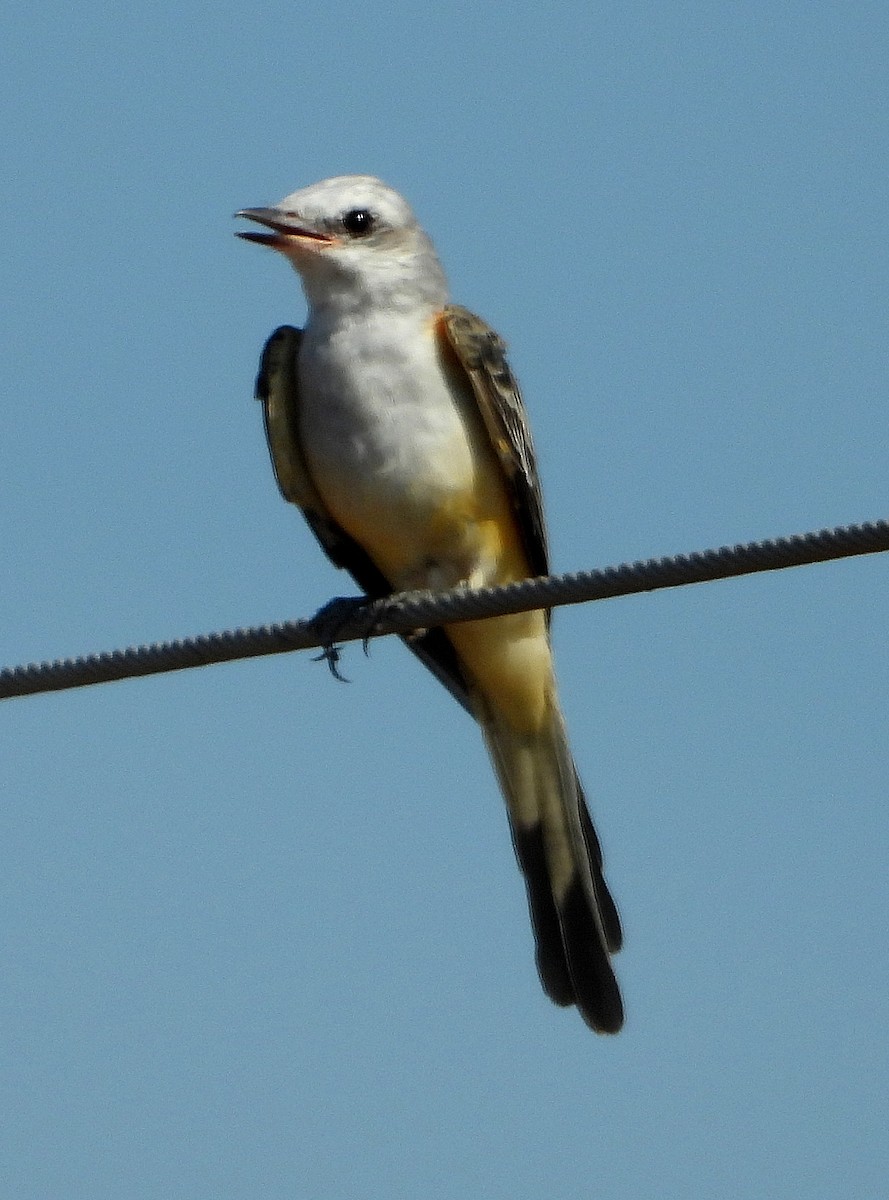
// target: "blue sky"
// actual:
[[262, 933]]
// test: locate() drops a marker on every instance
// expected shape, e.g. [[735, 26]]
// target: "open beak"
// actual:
[[286, 229]]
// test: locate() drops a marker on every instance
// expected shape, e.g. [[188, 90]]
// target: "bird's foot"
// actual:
[[329, 621]]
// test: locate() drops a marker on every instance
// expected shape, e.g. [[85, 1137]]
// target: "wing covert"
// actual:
[[481, 352]]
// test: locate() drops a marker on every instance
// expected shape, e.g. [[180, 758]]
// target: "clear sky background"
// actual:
[[262, 934]]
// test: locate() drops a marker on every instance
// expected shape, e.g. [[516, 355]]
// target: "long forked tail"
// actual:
[[576, 925]]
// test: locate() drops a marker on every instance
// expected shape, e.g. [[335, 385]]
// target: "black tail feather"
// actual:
[[572, 960], [552, 964]]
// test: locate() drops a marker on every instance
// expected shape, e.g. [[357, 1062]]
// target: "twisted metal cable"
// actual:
[[407, 612]]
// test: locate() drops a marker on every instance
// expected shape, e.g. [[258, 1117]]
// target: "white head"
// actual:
[[356, 245]]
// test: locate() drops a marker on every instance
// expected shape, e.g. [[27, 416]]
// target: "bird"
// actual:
[[396, 425]]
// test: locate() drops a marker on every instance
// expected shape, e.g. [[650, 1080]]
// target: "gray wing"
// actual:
[[277, 387], [481, 353]]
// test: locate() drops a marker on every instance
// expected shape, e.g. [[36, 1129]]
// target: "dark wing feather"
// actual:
[[482, 355], [277, 387]]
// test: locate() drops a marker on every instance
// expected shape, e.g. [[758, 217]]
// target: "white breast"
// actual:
[[383, 433]]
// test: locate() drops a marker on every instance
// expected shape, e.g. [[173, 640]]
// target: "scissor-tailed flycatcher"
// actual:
[[394, 422]]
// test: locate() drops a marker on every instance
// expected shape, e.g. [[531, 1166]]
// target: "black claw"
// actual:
[[331, 655]]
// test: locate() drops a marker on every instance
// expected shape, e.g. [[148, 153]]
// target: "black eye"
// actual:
[[358, 221]]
